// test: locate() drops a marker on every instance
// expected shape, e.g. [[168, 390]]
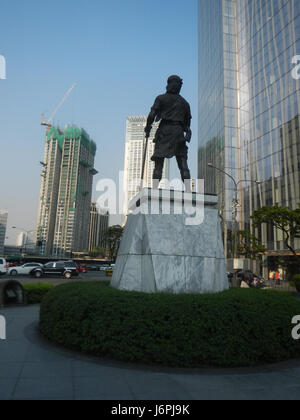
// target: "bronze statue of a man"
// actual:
[[174, 130]]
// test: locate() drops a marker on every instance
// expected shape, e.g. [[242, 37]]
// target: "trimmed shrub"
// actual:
[[296, 282], [234, 328], [36, 292]]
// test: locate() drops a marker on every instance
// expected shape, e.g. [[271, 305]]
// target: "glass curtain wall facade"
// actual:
[[249, 107], [268, 39], [219, 139]]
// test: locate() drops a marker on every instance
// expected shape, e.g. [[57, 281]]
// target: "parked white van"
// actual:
[[2, 266]]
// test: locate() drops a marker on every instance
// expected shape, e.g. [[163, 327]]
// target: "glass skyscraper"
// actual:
[[249, 107]]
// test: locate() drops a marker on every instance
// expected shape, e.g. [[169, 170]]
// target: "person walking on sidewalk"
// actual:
[[277, 278], [271, 278]]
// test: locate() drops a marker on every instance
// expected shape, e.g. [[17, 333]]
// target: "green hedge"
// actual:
[[234, 328], [36, 292], [296, 282]]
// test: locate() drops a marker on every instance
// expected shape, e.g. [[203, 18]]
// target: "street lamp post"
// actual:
[[235, 202]]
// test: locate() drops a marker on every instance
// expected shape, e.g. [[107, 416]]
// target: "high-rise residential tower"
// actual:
[[134, 146], [66, 190], [3, 225], [249, 107]]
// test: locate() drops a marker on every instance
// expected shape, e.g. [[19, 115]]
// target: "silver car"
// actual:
[[23, 269]]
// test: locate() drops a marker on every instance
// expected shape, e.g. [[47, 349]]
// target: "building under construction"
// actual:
[[66, 191]]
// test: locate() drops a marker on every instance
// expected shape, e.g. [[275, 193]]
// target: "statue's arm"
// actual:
[[151, 117], [187, 125], [150, 121]]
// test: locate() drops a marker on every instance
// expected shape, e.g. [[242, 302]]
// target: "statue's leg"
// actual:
[[183, 167], [185, 172], [158, 171]]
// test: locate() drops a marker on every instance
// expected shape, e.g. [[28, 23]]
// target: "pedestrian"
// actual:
[[277, 278], [271, 278]]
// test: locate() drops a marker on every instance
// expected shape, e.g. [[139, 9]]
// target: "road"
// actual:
[[56, 280]]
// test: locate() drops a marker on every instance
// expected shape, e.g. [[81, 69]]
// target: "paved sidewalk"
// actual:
[[32, 368]]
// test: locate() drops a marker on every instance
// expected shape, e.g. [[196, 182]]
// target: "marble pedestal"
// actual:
[[172, 243]]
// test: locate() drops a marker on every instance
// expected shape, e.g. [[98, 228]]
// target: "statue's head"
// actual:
[[174, 84]]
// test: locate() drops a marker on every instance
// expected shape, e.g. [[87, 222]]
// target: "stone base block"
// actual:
[[168, 252]]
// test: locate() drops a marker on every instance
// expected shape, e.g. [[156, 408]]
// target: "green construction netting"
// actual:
[[72, 133], [85, 164], [56, 134]]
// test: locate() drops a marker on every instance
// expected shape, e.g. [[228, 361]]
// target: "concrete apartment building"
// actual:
[[134, 146]]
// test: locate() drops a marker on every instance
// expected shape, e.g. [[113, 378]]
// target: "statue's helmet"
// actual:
[[174, 84]]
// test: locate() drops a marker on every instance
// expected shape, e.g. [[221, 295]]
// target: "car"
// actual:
[[82, 268], [258, 282], [23, 269], [66, 269], [3, 266], [104, 267], [12, 264], [251, 279], [93, 267]]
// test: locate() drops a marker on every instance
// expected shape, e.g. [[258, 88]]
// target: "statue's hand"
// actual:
[[188, 136], [148, 131]]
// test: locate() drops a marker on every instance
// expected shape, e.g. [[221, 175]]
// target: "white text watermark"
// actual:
[[2, 67], [296, 69], [172, 198], [2, 328], [296, 329]]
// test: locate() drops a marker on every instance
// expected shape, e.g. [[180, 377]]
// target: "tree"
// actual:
[[249, 245], [288, 222], [284, 219], [113, 239]]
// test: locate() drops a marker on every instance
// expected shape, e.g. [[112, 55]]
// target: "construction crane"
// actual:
[[48, 122]]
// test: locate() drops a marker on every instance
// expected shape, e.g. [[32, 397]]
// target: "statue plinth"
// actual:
[[172, 243]]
